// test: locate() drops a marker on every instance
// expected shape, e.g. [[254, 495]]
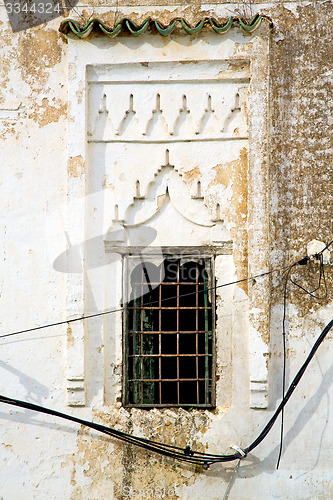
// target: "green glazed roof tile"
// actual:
[[127, 25], [165, 30]]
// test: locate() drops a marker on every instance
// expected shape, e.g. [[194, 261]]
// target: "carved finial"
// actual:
[[237, 106], [116, 221], [130, 110], [209, 122], [102, 108], [158, 102], [209, 106], [167, 160], [199, 189], [184, 108], [217, 217], [183, 123], [130, 103], [218, 211], [128, 117], [198, 195], [235, 124], [138, 191]]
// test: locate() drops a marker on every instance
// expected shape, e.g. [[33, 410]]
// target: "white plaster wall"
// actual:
[[46, 458]]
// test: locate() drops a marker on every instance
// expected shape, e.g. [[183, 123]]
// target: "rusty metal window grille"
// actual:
[[169, 344]]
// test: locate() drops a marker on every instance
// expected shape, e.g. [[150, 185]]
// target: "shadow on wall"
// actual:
[[23, 15], [302, 419], [35, 391], [252, 466]]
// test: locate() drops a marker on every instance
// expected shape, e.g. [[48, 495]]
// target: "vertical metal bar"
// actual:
[[196, 335], [141, 334], [213, 332], [177, 281], [137, 326], [160, 336], [206, 338]]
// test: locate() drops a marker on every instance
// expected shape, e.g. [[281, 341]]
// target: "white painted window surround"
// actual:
[[150, 124]]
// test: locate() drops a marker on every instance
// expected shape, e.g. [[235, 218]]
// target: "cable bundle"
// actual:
[[182, 454], [187, 454]]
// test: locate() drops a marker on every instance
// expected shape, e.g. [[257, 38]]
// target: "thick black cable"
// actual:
[[291, 389], [325, 248], [185, 455], [181, 454], [119, 309]]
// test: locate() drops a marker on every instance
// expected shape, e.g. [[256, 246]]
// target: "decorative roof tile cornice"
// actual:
[[128, 26]]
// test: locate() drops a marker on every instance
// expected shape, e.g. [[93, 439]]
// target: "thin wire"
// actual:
[[303, 261], [74, 9], [321, 278], [291, 389], [189, 455], [185, 455], [110, 311], [284, 359]]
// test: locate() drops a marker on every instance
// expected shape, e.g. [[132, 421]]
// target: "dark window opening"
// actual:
[[169, 333]]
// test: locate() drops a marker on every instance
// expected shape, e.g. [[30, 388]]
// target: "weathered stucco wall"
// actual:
[[43, 167]]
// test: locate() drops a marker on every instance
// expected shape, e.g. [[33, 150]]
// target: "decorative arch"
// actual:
[[167, 202]]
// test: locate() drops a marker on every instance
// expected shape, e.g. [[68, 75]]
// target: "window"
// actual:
[[169, 340]]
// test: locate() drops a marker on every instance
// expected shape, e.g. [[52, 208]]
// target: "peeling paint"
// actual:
[[45, 458], [76, 166], [70, 337], [47, 113], [38, 52]]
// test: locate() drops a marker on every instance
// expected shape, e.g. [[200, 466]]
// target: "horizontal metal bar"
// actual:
[[143, 307], [168, 380], [168, 356], [171, 332], [169, 405], [164, 141], [168, 283]]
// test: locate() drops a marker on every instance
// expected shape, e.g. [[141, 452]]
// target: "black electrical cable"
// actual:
[[178, 453], [110, 311], [325, 248], [320, 280], [291, 389], [185, 455]]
